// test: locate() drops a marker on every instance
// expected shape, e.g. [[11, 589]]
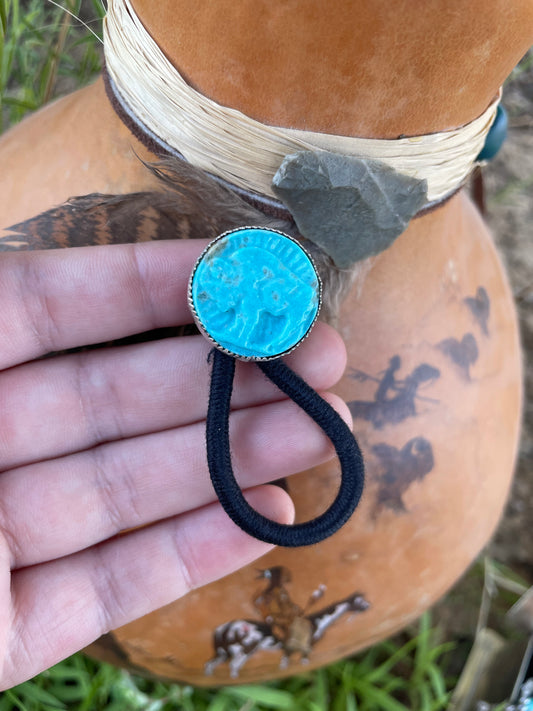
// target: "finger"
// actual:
[[53, 407], [58, 299], [62, 606], [55, 508]]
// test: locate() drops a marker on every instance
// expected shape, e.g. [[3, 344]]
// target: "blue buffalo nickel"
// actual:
[[255, 293]]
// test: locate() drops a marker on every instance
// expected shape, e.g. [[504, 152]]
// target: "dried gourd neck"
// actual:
[[244, 152]]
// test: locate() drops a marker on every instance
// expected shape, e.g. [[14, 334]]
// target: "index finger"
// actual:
[[59, 299]]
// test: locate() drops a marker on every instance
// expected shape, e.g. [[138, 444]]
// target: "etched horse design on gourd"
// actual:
[[394, 399], [285, 626]]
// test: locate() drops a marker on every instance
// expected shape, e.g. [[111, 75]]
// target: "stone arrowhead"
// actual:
[[351, 207]]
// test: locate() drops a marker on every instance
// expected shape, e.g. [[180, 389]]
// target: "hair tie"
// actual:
[[255, 294]]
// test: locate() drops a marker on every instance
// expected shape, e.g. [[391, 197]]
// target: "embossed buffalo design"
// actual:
[[400, 468], [250, 298]]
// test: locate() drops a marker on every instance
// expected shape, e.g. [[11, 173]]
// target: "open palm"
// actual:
[[110, 441]]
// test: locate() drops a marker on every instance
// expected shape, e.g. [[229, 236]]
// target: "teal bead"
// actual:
[[496, 136], [255, 293]]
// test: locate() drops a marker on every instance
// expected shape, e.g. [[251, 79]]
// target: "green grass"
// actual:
[[45, 51]]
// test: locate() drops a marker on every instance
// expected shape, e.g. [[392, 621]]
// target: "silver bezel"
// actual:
[[199, 323]]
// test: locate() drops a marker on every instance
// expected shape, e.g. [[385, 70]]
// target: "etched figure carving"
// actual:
[[285, 627], [463, 353], [394, 399], [236, 641], [400, 468], [479, 306], [274, 604]]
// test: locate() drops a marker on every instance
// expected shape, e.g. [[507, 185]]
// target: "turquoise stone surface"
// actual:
[[496, 136], [255, 292]]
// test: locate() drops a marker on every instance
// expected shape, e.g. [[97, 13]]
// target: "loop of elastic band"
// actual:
[[221, 471]]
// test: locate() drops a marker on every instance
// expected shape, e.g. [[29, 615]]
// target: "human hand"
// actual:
[[99, 442]]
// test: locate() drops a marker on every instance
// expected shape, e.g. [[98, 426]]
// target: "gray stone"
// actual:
[[351, 207]]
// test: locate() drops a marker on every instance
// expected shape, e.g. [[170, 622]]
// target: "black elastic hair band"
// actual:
[[221, 471]]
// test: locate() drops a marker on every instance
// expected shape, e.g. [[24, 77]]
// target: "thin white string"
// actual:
[[245, 152]]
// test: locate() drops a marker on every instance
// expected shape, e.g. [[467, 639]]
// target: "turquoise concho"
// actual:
[[255, 293]]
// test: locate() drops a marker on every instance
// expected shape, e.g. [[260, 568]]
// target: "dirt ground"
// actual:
[[509, 186]]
